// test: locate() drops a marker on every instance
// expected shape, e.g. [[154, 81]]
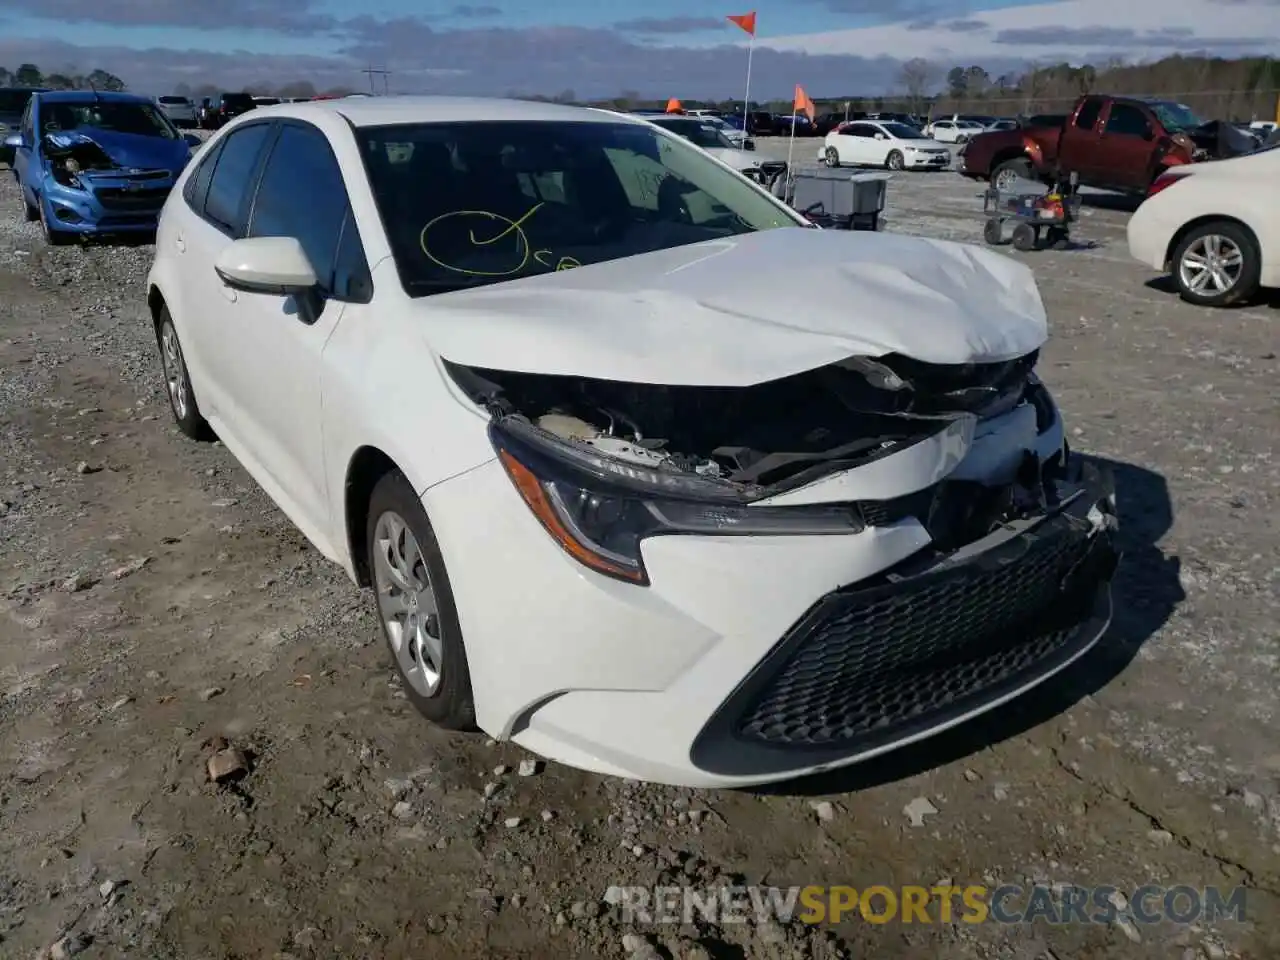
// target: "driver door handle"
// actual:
[[180, 242]]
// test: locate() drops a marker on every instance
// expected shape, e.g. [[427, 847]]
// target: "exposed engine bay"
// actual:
[[71, 154], [772, 436]]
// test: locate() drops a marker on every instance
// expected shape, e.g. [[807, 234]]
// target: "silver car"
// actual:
[[178, 109]]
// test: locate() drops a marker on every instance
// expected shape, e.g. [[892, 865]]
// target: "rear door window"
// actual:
[[231, 186]]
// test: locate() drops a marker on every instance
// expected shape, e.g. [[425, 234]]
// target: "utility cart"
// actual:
[[1041, 216], [835, 199]]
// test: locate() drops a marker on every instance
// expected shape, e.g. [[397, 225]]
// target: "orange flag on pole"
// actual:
[[804, 105], [673, 106], [747, 21]]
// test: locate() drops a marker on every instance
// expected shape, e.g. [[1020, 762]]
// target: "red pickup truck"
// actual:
[[1117, 143]]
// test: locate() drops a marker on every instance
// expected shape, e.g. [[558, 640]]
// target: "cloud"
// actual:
[[1071, 30], [670, 25], [297, 17], [470, 12], [481, 62], [1114, 37]]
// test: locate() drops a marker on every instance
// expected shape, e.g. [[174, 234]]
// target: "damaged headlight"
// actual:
[[599, 508]]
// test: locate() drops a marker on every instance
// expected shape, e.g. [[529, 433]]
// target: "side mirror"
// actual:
[[1148, 134], [271, 265], [880, 136], [192, 140], [13, 141]]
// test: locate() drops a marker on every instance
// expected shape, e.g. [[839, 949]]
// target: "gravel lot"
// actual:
[[153, 601]]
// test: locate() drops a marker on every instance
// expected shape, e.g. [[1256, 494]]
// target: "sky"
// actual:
[[600, 48]]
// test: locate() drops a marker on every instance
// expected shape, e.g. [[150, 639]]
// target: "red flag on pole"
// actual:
[[746, 21]]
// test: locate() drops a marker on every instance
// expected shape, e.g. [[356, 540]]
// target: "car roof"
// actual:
[[381, 111], [88, 96]]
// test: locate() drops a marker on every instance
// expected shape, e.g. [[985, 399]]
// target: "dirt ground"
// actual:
[[153, 600]]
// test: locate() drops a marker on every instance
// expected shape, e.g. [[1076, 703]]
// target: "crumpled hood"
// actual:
[[130, 150], [747, 309]]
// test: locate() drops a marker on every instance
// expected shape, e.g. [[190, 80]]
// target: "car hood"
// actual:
[[746, 310], [130, 150], [735, 157]]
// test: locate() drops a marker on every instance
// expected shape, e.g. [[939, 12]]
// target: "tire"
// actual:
[[832, 157], [993, 232], [894, 161], [1025, 237], [394, 512], [29, 213], [1199, 243], [1002, 177], [54, 238], [177, 381]]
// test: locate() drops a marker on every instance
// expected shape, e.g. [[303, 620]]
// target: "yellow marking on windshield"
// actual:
[[509, 228]]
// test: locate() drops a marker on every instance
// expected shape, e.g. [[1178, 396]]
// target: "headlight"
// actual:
[[599, 508]]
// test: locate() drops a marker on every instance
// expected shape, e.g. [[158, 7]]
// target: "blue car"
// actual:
[[96, 163]]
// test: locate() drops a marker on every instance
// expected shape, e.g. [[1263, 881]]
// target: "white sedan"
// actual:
[[535, 375], [1214, 226], [894, 146], [955, 131]]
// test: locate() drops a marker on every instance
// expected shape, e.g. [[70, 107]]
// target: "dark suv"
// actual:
[[231, 105], [13, 103]]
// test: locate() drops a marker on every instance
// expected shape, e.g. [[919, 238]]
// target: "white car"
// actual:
[[1214, 226], [536, 376], [711, 138], [894, 146], [954, 131], [735, 136], [180, 110]]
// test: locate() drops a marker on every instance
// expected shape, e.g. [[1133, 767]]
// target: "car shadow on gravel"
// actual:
[[1146, 590], [1120, 202]]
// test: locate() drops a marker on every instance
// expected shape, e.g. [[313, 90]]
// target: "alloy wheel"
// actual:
[[1211, 265], [407, 603], [175, 371]]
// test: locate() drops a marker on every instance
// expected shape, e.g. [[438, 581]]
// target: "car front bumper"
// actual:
[[926, 161], [108, 205], [757, 659]]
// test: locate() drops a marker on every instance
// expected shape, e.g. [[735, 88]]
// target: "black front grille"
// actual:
[[121, 198], [874, 661]]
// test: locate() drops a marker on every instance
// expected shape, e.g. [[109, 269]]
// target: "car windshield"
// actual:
[[142, 119], [902, 132], [474, 203], [695, 130], [1176, 116]]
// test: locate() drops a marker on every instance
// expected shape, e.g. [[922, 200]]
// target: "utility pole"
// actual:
[[370, 72]]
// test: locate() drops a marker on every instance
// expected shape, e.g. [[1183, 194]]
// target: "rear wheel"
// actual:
[[415, 605], [1025, 237], [1217, 264], [177, 382], [1008, 173], [832, 157], [894, 161]]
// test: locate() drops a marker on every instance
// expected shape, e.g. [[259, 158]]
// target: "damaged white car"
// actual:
[[533, 375]]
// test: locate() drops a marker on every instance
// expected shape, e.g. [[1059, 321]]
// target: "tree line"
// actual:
[[1243, 88], [30, 75]]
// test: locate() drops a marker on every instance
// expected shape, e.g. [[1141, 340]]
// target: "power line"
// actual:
[[371, 72]]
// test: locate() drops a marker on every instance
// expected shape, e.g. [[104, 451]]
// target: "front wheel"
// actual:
[[894, 161], [415, 605], [29, 213], [832, 157], [1217, 264], [52, 236], [1010, 172]]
